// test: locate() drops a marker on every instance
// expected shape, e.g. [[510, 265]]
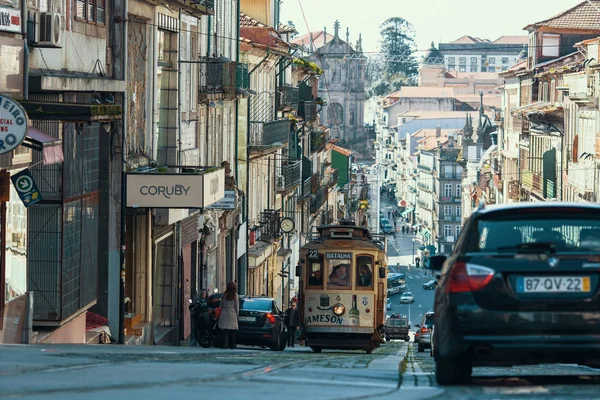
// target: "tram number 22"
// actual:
[[313, 254]]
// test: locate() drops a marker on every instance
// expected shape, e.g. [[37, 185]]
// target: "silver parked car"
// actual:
[[407, 298], [425, 328]]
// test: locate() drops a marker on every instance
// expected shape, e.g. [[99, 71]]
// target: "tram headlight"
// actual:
[[339, 309]]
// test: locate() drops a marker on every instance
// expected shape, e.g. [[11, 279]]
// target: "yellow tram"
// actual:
[[343, 288]]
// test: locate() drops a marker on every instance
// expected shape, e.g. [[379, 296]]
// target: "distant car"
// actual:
[[260, 323], [425, 327], [397, 327], [387, 228], [430, 285], [407, 298], [388, 305]]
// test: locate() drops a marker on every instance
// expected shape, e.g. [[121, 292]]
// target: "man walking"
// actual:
[[292, 322]]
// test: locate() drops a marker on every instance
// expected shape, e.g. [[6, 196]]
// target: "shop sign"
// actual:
[[26, 187], [175, 190], [226, 203], [339, 256], [13, 124], [10, 20]]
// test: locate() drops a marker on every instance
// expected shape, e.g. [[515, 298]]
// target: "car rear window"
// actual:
[[256, 304], [429, 320], [397, 322], [564, 233]]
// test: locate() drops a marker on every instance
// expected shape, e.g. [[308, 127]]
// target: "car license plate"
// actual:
[[247, 319], [554, 284]]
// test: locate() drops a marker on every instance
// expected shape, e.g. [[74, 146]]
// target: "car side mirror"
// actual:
[[436, 262], [298, 270]]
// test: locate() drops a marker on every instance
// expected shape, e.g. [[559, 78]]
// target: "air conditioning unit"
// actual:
[[49, 29]]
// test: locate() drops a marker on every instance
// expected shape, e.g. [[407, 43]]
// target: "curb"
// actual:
[[403, 364]]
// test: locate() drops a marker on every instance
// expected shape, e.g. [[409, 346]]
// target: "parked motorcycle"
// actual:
[[205, 315]]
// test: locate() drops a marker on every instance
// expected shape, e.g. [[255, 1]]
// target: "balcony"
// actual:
[[424, 167], [582, 88], [269, 226], [447, 239], [307, 187], [216, 77], [318, 141], [242, 77], [447, 217], [288, 97], [307, 110], [269, 133], [445, 199], [333, 177], [318, 200], [289, 176], [457, 199], [424, 186], [424, 204], [196, 8]]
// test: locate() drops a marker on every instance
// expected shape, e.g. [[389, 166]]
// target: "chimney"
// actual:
[[438, 131]]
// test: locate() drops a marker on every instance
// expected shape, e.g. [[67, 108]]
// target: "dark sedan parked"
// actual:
[[261, 323], [521, 287]]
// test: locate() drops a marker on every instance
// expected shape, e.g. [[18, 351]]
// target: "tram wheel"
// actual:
[[317, 349]]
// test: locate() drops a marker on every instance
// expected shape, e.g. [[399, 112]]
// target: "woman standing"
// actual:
[[230, 310]]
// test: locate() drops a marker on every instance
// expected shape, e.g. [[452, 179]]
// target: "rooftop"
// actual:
[[584, 16]]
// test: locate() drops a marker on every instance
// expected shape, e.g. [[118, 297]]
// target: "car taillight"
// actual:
[[424, 329], [271, 318], [465, 277]]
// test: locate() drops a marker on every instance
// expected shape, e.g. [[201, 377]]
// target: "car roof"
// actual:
[[552, 205]]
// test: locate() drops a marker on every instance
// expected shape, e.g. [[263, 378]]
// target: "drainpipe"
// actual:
[[179, 86], [24, 33], [121, 335]]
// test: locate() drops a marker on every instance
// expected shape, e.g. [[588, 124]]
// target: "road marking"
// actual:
[[516, 390]]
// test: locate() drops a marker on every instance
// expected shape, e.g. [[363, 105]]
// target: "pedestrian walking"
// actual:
[[389, 214], [230, 311], [292, 322]]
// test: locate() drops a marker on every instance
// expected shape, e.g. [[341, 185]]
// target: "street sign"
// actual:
[[13, 124], [26, 187]]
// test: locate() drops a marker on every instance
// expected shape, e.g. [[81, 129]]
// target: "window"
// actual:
[[484, 69], [315, 269], [473, 68], [448, 211], [504, 68], [364, 272], [491, 61], [450, 68], [473, 60], [504, 60], [339, 267], [447, 190], [447, 230], [462, 68], [462, 60], [458, 190], [550, 45], [458, 230], [91, 10], [458, 211], [451, 60]]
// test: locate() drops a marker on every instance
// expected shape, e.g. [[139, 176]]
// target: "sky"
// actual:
[[434, 20]]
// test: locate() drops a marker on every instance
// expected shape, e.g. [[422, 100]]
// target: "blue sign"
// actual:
[[26, 187]]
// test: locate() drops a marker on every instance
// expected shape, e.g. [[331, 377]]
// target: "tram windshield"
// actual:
[[339, 274]]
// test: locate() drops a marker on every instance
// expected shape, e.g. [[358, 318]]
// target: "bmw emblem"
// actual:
[[553, 262]]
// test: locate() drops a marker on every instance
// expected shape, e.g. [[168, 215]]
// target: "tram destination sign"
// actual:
[[339, 256]]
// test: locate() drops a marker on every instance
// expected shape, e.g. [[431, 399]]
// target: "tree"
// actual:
[[294, 34], [397, 46]]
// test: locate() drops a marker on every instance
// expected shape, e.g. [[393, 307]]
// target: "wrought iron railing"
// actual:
[[289, 176], [307, 110], [242, 77], [269, 133], [318, 200], [307, 186], [269, 225], [288, 96], [216, 77], [334, 177], [318, 141]]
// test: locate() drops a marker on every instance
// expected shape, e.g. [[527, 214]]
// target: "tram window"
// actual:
[[339, 274], [364, 271], [315, 274]]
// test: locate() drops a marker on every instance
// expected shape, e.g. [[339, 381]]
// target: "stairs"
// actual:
[[136, 331]]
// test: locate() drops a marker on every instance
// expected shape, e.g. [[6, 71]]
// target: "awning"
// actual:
[[49, 145], [73, 112], [407, 211], [258, 253]]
